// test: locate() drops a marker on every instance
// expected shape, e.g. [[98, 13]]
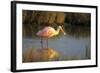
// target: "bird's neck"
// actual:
[[57, 31]]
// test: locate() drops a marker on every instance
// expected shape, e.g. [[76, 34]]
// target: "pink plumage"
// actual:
[[47, 32]]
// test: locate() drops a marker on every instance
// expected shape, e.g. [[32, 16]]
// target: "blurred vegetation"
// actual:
[[78, 19], [74, 23]]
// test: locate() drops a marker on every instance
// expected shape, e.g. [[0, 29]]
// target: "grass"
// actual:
[[88, 53]]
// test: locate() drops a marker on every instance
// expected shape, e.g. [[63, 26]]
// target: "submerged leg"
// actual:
[[41, 42], [47, 43]]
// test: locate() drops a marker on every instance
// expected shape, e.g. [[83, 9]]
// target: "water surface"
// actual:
[[68, 46]]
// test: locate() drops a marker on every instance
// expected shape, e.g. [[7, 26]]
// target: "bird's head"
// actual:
[[62, 30]]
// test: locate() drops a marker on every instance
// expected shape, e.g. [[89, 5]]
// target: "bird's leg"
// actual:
[[41, 42], [47, 48], [47, 43]]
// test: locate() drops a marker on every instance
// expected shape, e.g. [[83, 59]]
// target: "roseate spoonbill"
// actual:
[[49, 32]]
